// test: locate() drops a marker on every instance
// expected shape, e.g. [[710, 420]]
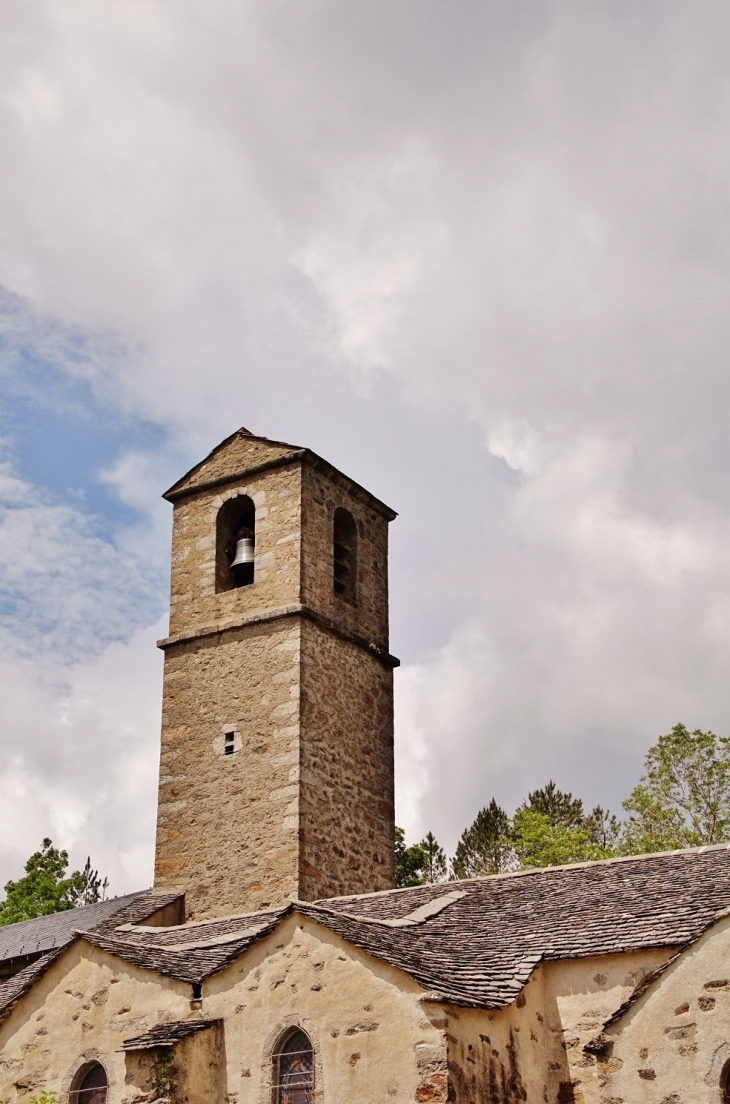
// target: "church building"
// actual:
[[273, 962]]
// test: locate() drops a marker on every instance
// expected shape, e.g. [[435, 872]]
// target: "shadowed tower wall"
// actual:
[[276, 769]]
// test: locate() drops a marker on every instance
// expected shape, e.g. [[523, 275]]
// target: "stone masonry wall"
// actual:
[[374, 1040], [321, 496], [304, 806], [347, 800], [228, 824], [673, 1045], [81, 1011], [194, 603], [580, 994], [532, 1050]]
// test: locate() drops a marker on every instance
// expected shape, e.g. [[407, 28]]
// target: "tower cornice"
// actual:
[[296, 609]]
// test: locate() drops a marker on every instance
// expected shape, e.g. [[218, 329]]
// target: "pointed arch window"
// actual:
[[293, 1073], [344, 551], [235, 541], [92, 1085]]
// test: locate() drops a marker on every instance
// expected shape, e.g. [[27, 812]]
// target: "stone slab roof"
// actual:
[[167, 1034], [472, 943], [46, 932], [481, 949], [50, 934], [188, 952]]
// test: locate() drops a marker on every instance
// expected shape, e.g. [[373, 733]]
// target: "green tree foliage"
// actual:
[[484, 847], [550, 829], [46, 888], [538, 842], [409, 862], [683, 797], [560, 809], [420, 864], [604, 829], [435, 867]]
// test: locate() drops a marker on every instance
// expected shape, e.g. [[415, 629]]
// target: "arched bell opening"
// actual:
[[235, 544], [90, 1085], [293, 1072], [344, 579]]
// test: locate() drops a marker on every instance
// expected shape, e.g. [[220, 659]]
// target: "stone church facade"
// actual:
[[273, 962]]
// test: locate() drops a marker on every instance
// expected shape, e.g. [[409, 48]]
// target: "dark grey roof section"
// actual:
[[44, 933], [167, 1034], [134, 908], [191, 952], [472, 943], [483, 947]]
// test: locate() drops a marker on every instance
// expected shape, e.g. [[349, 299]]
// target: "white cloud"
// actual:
[[598, 628], [79, 711], [79, 758], [516, 218]]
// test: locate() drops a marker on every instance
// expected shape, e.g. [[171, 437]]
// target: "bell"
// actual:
[[244, 552]]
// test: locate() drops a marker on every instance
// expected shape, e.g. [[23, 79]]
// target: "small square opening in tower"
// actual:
[[229, 743]]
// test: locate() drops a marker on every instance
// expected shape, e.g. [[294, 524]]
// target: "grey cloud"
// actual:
[[506, 223]]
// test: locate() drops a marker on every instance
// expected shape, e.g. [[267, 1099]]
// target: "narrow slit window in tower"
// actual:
[[229, 743], [345, 554]]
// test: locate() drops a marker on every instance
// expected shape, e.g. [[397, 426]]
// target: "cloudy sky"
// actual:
[[475, 253]]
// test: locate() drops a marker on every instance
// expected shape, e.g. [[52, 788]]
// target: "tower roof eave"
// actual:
[[269, 454]]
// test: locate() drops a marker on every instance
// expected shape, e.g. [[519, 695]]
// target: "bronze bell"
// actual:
[[244, 551]]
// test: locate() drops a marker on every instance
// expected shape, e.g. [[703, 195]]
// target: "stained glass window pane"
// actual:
[[93, 1088], [294, 1070]]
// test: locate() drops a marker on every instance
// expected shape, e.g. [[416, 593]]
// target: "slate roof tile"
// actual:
[[474, 942], [46, 932], [50, 934], [167, 1034]]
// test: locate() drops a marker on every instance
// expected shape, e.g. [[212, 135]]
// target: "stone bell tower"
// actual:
[[276, 769]]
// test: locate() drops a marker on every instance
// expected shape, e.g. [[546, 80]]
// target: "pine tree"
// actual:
[[559, 808], [484, 847], [435, 867]]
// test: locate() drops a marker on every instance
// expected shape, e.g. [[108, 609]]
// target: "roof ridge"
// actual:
[[199, 923], [532, 872]]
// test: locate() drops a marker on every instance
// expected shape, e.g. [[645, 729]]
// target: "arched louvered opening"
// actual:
[[235, 544], [91, 1085], [293, 1072], [344, 551]]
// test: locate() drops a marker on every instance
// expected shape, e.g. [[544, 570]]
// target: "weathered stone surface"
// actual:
[[303, 807], [689, 1055], [599, 983], [251, 1003]]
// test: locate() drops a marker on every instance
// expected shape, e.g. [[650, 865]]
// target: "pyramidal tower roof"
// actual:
[[243, 454]]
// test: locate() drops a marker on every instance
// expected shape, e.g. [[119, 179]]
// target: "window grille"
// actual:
[[294, 1070], [93, 1087]]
